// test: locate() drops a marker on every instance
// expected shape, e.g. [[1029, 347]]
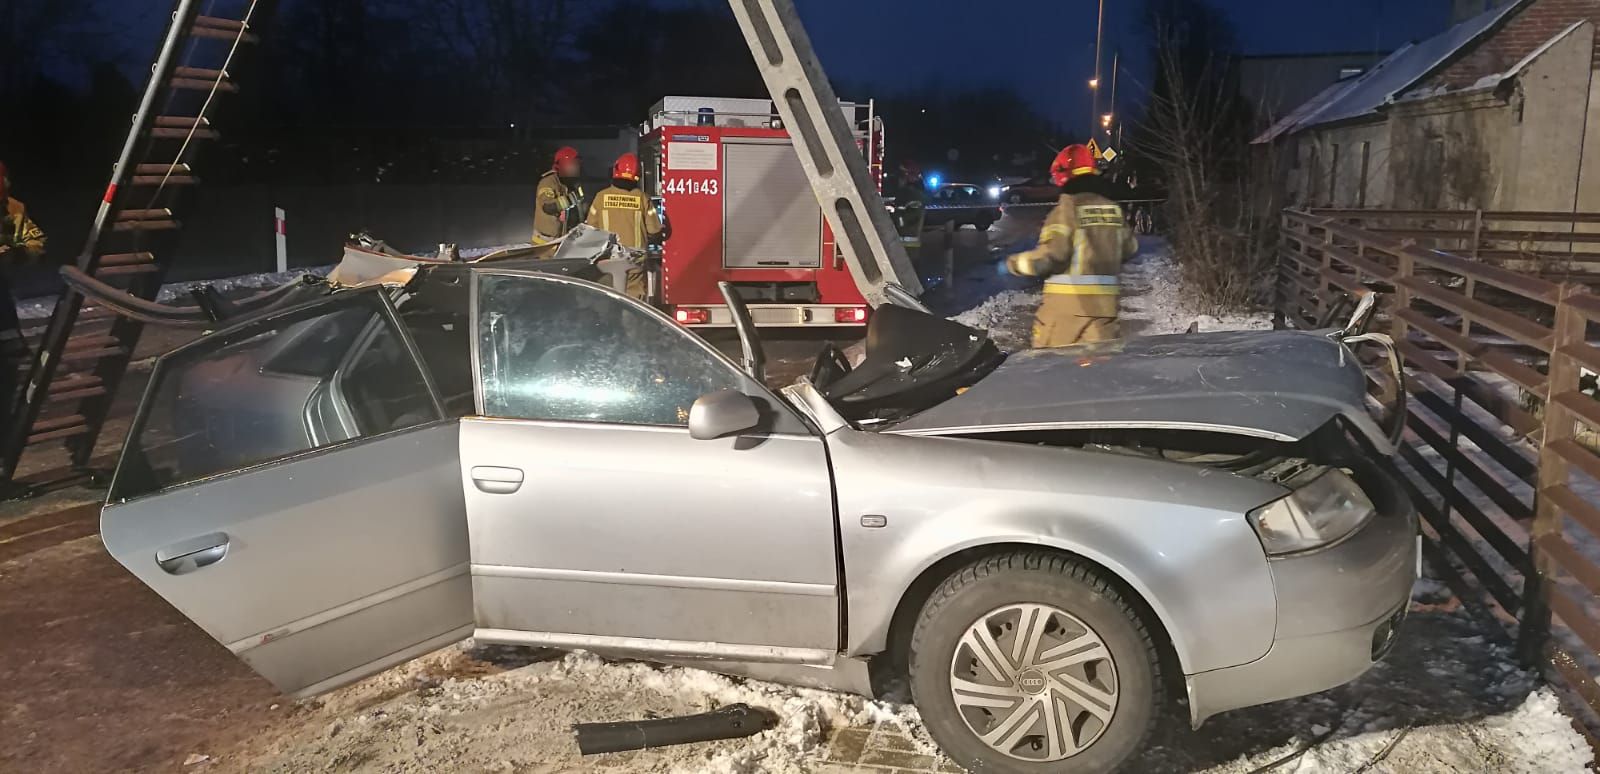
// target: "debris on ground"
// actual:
[[734, 721]]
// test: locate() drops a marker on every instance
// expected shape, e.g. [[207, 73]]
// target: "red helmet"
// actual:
[[1073, 161], [566, 157], [626, 168]]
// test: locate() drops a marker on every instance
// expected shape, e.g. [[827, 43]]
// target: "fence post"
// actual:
[[1404, 268], [1477, 233], [1322, 275], [1278, 298], [1559, 425]]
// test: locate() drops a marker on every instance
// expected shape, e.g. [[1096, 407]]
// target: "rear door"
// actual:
[[293, 487]]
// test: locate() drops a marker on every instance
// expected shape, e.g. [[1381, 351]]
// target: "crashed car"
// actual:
[[1055, 547]]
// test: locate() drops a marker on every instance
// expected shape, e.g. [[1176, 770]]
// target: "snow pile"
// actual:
[[1153, 301], [443, 713], [1533, 739], [1153, 304], [1007, 316]]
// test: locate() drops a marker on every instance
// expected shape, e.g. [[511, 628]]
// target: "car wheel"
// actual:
[[1015, 199], [983, 224], [1032, 662]]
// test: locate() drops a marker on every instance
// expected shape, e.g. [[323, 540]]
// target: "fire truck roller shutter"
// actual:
[[770, 216]]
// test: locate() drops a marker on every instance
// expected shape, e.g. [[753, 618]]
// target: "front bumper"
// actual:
[[1338, 610]]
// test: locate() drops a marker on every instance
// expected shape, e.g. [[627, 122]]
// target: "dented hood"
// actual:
[[1280, 385]]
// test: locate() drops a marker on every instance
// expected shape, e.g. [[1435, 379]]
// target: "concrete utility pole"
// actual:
[[827, 148]]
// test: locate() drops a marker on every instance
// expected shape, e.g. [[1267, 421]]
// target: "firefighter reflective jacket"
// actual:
[[625, 213], [18, 234], [560, 207], [1081, 248]]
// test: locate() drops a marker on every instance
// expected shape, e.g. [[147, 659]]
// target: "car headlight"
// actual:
[[994, 192], [1315, 514]]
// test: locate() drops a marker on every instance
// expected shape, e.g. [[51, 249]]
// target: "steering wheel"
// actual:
[[831, 366]]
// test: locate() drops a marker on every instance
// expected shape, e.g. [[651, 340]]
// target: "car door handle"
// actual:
[[493, 480], [192, 554]]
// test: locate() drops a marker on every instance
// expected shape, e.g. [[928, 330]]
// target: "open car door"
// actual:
[[292, 486]]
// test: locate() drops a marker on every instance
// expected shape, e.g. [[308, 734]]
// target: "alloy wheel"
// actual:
[[1034, 682]]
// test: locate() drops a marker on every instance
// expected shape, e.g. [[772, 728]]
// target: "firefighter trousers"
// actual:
[[1065, 319]]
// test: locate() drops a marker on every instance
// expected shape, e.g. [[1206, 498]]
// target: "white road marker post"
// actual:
[[280, 227]]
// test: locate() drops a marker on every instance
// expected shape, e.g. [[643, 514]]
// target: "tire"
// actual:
[[1015, 199], [1079, 613]]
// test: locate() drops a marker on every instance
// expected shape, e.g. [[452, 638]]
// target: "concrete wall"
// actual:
[[1450, 156], [1548, 111], [1330, 167]]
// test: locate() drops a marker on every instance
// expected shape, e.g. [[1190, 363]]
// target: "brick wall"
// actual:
[[1522, 34]]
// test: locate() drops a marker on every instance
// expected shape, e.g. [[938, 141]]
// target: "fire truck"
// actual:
[[743, 211]]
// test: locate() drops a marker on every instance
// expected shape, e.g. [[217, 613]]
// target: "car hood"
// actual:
[[1281, 385]]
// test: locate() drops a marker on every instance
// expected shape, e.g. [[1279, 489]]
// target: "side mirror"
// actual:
[[721, 414]]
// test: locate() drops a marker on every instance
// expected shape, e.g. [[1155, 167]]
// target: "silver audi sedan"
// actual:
[[1055, 548]]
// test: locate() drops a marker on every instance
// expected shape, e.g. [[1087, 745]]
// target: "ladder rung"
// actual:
[[57, 427], [181, 122], [124, 259], [154, 180], [146, 225], [191, 84], [220, 29], [157, 214], [76, 388], [90, 354], [161, 133], [194, 74], [219, 23], [98, 340], [161, 169], [123, 271]]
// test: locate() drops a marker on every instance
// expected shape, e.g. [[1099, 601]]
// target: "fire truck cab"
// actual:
[[742, 211]]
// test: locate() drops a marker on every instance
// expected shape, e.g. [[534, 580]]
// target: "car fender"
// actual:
[[1175, 534]]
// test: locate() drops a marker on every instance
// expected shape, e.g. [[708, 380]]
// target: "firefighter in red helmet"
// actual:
[[1081, 248], [560, 198], [623, 210]]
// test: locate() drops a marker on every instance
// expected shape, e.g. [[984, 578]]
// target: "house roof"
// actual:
[[1364, 96]]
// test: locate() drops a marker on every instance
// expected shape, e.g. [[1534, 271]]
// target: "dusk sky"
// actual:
[[1044, 48]]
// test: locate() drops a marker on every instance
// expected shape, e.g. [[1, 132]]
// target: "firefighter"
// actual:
[[20, 240], [623, 210], [560, 198], [1081, 248]]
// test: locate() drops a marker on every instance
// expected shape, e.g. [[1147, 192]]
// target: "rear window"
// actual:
[[326, 375]]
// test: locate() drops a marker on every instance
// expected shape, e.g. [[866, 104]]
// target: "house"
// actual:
[[1500, 111]]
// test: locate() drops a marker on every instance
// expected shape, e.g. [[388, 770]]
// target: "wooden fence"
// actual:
[[1499, 452]]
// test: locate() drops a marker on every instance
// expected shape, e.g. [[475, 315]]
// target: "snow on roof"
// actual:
[[1395, 74], [1311, 107]]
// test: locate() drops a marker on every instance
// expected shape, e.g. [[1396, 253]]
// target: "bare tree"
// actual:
[[1222, 208]]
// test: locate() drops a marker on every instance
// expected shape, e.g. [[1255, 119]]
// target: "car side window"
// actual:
[[327, 375], [563, 351]]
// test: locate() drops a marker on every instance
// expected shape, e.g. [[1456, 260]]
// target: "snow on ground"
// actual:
[[1153, 303]]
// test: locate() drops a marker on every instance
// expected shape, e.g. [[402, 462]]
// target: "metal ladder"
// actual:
[[840, 174], [84, 352]]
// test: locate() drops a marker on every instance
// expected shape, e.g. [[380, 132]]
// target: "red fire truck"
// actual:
[[742, 211]]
